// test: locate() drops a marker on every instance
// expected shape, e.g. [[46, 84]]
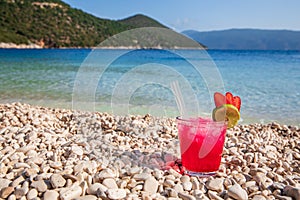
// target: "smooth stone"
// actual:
[[57, 181], [110, 183], [95, 187], [70, 177], [138, 187], [36, 160], [151, 185], [87, 197], [4, 183], [17, 181], [12, 197], [186, 196], [79, 167], [187, 186], [3, 168], [215, 184], [170, 177], [32, 194], [56, 165], [6, 191], [141, 176], [20, 192], [10, 176], [77, 150], [101, 194], [116, 193], [240, 178], [21, 165], [214, 195], [169, 183], [195, 182], [260, 178], [184, 178], [292, 192], [70, 193], [158, 174], [39, 185], [134, 170], [84, 187], [30, 171], [178, 187], [122, 184], [171, 192], [51, 195], [106, 173], [250, 184], [279, 197], [258, 197], [91, 167], [279, 186], [237, 192], [198, 193], [174, 173]]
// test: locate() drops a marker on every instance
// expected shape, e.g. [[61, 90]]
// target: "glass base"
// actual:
[[200, 174]]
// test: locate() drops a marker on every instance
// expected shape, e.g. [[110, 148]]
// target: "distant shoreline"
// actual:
[[35, 46], [19, 46]]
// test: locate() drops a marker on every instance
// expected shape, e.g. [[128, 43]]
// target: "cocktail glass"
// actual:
[[201, 145]]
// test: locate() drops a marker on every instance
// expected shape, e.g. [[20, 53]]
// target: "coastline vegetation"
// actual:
[[54, 24]]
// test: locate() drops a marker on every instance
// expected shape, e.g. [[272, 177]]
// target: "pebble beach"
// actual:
[[49, 154]]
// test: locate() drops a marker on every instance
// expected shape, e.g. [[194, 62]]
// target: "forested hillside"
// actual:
[[54, 24]]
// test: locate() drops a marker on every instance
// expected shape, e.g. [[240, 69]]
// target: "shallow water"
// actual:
[[268, 82]]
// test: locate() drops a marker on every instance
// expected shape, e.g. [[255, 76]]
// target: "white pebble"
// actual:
[[57, 181], [51, 195], [39, 185], [110, 183], [151, 185], [237, 192], [116, 193], [70, 193], [77, 150], [32, 194]]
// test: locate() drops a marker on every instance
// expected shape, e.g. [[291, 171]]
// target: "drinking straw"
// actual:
[[179, 98]]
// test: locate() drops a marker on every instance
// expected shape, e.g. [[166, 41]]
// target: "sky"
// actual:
[[201, 15]]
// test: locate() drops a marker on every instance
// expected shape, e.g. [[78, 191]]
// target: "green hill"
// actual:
[[54, 24], [141, 21]]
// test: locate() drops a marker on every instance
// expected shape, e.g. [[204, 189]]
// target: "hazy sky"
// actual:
[[201, 15]]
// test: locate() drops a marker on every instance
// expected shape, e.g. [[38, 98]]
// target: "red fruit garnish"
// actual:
[[229, 98], [219, 99], [237, 102]]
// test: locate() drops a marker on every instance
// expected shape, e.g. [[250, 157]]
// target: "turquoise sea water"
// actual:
[[268, 82]]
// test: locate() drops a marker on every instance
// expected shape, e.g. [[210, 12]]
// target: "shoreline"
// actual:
[[19, 46], [169, 112], [36, 46], [54, 153]]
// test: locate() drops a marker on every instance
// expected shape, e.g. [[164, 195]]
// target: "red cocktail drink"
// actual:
[[201, 145]]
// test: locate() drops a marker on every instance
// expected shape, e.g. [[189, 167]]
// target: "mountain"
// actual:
[[249, 39], [141, 21], [53, 24]]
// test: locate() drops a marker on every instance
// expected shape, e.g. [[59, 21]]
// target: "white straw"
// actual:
[[178, 97]]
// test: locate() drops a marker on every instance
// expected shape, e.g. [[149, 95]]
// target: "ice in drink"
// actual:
[[201, 144]]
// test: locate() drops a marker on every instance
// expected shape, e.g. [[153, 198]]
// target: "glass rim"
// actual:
[[194, 119]]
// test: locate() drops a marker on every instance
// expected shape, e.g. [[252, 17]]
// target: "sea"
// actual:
[[160, 82]]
